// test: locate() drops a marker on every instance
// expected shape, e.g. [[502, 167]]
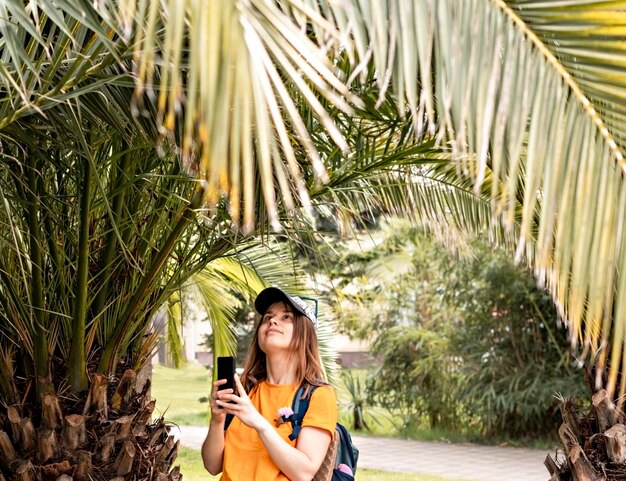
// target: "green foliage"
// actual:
[[357, 400], [515, 358], [243, 323], [417, 376], [468, 343]]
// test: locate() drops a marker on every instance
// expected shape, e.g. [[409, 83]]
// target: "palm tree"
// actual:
[[103, 225], [249, 90]]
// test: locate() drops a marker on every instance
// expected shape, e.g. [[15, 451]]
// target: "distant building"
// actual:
[[352, 353]]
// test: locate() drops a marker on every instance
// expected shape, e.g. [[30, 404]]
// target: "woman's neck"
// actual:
[[280, 371]]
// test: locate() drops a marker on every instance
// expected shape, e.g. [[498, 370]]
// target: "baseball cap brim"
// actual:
[[272, 295]]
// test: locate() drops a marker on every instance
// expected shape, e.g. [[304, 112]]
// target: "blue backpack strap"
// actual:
[[300, 406]]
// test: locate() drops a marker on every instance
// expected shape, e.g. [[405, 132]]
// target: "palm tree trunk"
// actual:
[[77, 368], [41, 355], [94, 443], [594, 444]]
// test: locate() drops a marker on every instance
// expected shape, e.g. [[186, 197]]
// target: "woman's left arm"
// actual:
[[303, 461], [297, 463]]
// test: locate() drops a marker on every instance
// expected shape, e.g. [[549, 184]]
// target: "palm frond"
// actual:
[[36, 76], [500, 86], [239, 111], [173, 329], [586, 39]]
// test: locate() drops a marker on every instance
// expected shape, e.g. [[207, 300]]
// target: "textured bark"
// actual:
[[143, 381], [47, 446], [165, 450], [97, 398], [74, 431], [7, 451], [175, 474], [107, 445], [124, 462], [55, 471], [84, 468], [27, 435], [142, 419], [594, 444], [568, 438], [14, 419], [171, 457], [616, 443], [570, 419], [124, 390], [24, 471], [553, 469], [605, 410], [121, 428], [581, 467], [98, 445], [159, 436], [51, 415]]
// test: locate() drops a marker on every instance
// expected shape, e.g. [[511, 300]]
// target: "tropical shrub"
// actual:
[[461, 339], [416, 377], [515, 356]]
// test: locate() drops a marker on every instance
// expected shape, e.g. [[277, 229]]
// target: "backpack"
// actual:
[[341, 451]]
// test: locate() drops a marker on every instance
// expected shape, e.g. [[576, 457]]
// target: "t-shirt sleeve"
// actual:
[[322, 412]]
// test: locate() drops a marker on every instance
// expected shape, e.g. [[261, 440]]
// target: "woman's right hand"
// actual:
[[218, 415]]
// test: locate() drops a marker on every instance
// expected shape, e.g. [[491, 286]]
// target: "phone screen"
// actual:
[[226, 370]]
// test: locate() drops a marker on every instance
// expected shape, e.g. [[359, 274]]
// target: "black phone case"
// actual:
[[226, 370]]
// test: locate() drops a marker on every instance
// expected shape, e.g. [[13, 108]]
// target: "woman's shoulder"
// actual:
[[324, 393], [323, 411]]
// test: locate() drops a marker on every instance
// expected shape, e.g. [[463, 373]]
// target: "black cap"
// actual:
[[271, 295]]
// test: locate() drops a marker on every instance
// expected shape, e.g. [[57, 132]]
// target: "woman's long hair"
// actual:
[[304, 352]]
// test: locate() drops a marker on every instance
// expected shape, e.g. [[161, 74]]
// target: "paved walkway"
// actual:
[[465, 461]]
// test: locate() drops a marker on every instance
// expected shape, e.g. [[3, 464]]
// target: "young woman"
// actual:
[[283, 355]]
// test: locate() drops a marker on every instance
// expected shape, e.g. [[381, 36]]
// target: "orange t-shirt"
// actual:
[[245, 456]]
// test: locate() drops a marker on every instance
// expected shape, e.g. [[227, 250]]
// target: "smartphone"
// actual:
[[226, 370]]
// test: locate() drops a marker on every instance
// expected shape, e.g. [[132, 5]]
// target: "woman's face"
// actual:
[[276, 329]]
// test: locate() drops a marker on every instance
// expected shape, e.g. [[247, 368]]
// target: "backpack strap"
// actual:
[[300, 406]]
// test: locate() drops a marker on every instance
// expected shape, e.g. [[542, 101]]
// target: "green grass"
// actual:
[[192, 469], [178, 393], [191, 465]]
